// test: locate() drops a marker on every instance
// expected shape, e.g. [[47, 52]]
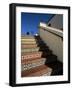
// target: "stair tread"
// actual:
[[45, 51], [41, 68], [28, 64], [31, 60], [42, 48], [39, 42], [33, 46]]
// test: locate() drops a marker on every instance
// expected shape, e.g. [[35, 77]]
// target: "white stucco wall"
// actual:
[[57, 21], [54, 42]]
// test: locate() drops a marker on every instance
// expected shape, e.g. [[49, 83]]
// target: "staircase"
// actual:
[[35, 57]]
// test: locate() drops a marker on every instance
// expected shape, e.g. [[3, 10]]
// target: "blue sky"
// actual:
[[30, 21]]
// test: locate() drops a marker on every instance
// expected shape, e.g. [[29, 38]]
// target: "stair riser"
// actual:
[[31, 56], [30, 50], [28, 43], [28, 46], [34, 56]]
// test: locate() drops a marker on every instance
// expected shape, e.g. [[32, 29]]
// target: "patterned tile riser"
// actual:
[[32, 56], [29, 42]]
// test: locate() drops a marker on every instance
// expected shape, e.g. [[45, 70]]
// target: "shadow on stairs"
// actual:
[[51, 60], [37, 59]]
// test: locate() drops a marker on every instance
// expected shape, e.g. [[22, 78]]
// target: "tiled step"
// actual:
[[27, 50], [34, 46], [37, 71], [36, 49], [49, 59], [22, 44], [33, 55], [29, 46], [27, 37], [29, 42], [28, 64], [29, 61], [26, 40]]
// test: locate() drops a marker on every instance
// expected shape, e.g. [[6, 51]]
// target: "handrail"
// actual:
[[55, 31]]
